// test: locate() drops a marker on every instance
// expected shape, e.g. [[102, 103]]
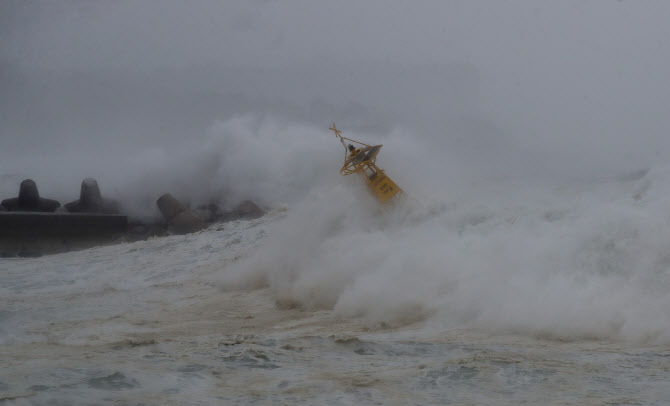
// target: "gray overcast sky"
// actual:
[[513, 34], [579, 81]]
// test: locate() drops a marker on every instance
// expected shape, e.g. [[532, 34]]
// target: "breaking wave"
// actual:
[[500, 251], [585, 259]]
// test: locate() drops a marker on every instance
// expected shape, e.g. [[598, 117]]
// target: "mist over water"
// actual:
[[579, 260], [515, 129], [526, 262]]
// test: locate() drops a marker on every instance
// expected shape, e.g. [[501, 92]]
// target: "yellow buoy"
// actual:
[[361, 160]]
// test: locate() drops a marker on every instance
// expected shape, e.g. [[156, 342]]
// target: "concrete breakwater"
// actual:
[[30, 234], [32, 226]]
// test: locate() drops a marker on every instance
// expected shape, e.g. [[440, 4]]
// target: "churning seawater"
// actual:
[[553, 297]]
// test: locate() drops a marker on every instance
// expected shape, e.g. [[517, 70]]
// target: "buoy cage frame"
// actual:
[[362, 160]]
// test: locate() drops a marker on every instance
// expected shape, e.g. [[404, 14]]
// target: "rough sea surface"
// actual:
[[550, 298]]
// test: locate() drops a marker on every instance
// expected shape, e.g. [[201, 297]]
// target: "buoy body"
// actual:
[[383, 187]]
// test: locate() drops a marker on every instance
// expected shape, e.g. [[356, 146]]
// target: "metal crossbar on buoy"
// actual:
[[362, 160]]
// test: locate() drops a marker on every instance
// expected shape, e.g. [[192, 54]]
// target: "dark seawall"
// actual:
[[34, 234]]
